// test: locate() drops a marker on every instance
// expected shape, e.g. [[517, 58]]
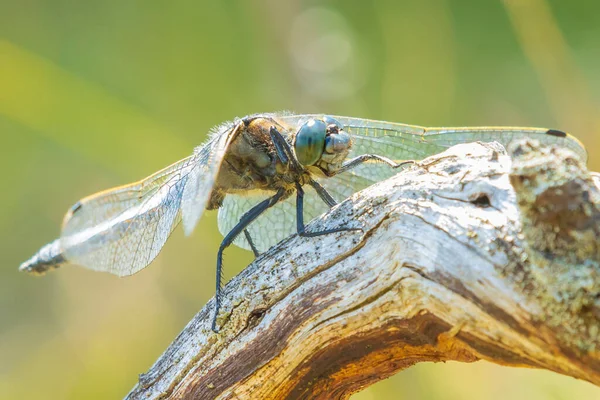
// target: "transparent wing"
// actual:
[[344, 185], [122, 230], [275, 224], [410, 142], [204, 173], [405, 142], [393, 140]]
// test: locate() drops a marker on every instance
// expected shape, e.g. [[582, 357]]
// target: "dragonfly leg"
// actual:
[[300, 218], [283, 149], [356, 161], [251, 243], [246, 220], [281, 146], [323, 193]]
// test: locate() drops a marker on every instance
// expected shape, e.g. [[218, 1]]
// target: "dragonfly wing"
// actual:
[[447, 137], [275, 224], [122, 230], [401, 142], [392, 140], [208, 159], [411, 142], [406, 142], [344, 185]]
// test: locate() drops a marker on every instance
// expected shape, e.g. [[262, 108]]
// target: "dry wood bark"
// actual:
[[466, 256]]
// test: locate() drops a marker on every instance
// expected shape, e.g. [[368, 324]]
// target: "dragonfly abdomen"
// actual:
[[47, 258]]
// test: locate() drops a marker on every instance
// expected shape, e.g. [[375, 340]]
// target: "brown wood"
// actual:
[[468, 255]]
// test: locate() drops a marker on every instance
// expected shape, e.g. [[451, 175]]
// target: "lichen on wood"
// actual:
[[468, 255], [559, 204]]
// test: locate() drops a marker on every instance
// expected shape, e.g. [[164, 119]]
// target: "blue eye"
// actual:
[[332, 121], [310, 142]]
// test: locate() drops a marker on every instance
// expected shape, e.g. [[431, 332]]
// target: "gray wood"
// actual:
[[467, 255]]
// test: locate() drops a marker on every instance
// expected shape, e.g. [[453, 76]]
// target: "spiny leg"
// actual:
[[356, 161], [286, 156], [246, 220], [301, 228], [323, 193], [282, 147], [251, 243], [284, 150]]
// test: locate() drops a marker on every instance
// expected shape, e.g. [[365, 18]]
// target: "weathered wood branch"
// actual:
[[465, 256]]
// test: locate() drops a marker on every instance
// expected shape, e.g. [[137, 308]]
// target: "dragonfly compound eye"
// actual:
[[332, 124], [310, 141]]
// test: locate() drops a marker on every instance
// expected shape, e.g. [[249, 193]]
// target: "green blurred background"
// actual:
[[96, 94]]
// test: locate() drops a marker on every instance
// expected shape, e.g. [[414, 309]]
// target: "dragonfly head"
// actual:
[[322, 143]]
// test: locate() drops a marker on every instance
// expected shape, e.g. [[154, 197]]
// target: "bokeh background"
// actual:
[[95, 94]]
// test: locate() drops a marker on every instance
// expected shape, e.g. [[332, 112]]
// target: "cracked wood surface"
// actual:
[[465, 256]]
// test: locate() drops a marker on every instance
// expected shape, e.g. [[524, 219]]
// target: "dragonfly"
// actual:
[[254, 170]]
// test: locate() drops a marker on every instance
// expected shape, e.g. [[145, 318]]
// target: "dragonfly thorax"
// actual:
[[250, 161]]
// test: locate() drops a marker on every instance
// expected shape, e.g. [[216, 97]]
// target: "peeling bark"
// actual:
[[468, 255]]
